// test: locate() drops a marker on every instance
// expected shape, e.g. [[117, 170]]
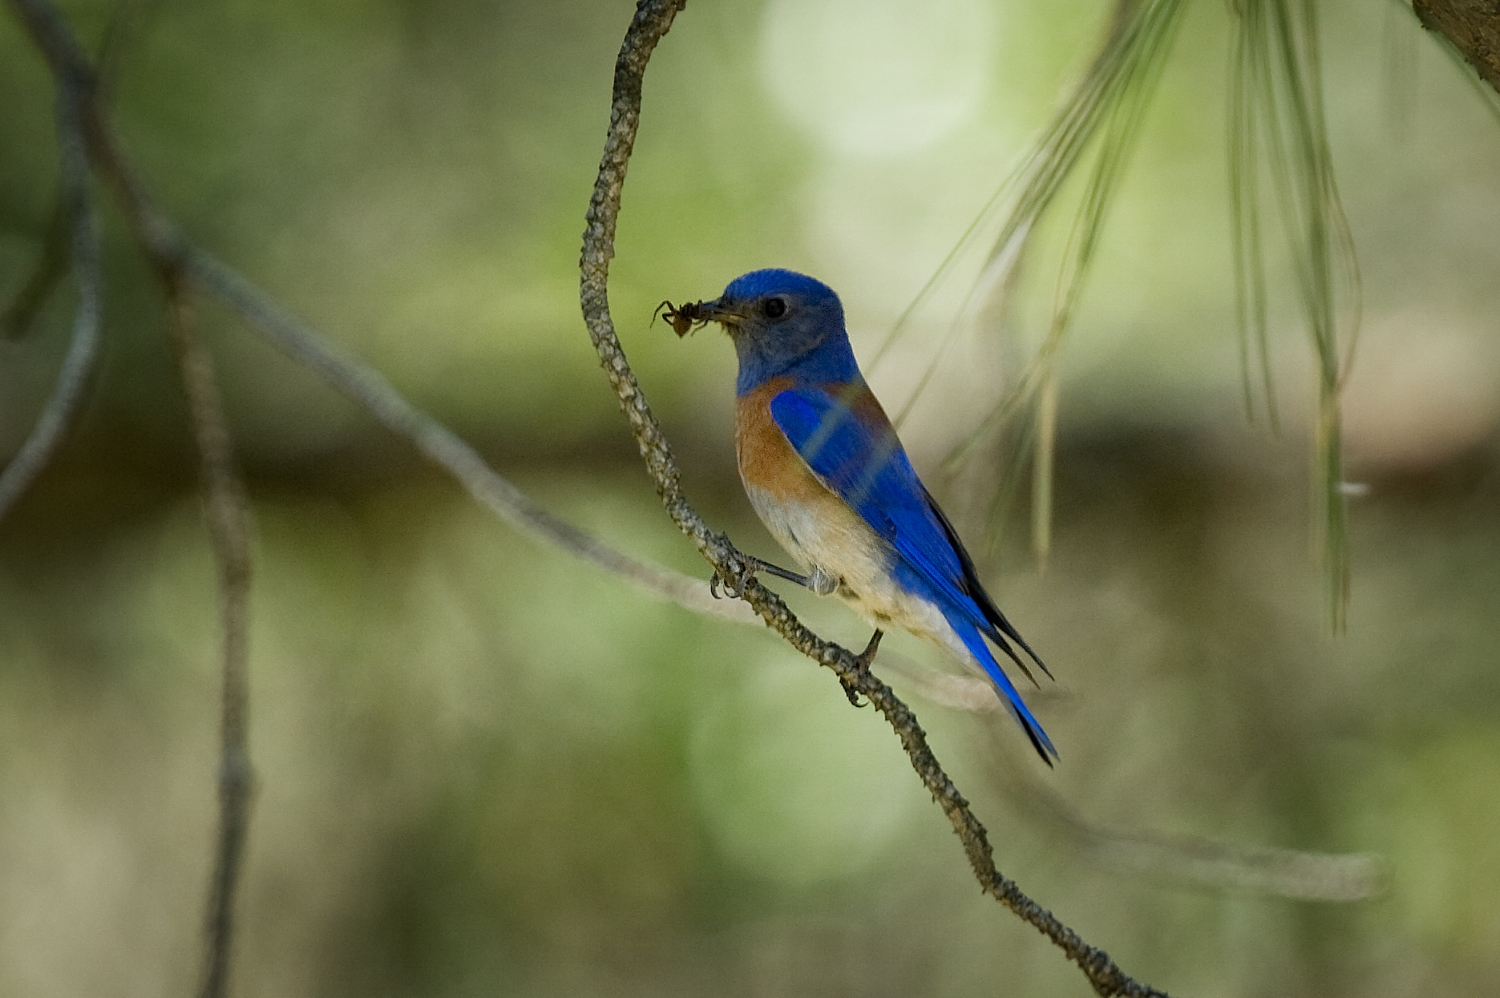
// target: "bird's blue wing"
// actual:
[[852, 448], [863, 462], [850, 445]]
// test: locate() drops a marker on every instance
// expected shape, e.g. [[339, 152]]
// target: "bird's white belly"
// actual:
[[831, 536]]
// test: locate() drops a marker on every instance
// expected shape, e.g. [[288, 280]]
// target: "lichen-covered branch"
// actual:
[[653, 18]]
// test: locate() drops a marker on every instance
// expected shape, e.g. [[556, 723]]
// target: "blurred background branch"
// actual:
[[226, 511], [75, 218], [1188, 859], [126, 20], [441, 445]]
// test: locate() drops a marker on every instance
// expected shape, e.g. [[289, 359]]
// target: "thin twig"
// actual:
[[38, 448], [652, 20], [1303, 875], [227, 516]]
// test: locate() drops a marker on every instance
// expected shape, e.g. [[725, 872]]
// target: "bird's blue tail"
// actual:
[[974, 641]]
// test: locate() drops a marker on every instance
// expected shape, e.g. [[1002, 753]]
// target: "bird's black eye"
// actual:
[[774, 308]]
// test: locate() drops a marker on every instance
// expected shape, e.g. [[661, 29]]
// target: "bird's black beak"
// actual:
[[724, 311]]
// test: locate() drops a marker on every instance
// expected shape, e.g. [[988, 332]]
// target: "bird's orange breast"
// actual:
[[767, 459]]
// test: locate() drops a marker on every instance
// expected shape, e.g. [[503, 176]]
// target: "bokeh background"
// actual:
[[484, 768]]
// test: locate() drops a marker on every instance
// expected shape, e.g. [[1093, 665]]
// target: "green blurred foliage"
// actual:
[[483, 767]]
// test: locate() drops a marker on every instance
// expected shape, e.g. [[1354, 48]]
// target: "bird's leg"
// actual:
[[863, 660], [817, 580]]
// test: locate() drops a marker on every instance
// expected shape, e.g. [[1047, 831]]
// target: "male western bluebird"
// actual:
[[824, 470]]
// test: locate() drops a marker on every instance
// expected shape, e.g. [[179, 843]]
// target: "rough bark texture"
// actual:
[[1472, 26]]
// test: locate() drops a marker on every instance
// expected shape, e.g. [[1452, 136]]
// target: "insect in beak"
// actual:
[[684, 318]]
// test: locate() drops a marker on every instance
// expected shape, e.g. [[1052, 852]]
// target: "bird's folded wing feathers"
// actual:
[[851, 447], [853, 450]]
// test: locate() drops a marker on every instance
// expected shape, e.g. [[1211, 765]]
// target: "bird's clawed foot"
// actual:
[[862, 660], [733, 588]]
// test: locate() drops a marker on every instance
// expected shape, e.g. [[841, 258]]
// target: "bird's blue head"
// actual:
[[783, 323]]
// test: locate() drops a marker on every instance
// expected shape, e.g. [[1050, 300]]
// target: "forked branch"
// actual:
[[84, 137]]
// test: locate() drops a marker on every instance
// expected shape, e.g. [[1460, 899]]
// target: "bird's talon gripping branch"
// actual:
[[724, 579], [734, 577], [862, 660]]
